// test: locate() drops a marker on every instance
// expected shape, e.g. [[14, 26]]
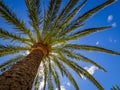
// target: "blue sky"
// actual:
[[109, 39]]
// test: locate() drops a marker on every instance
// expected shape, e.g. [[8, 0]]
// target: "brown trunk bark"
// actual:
[[22, 74]]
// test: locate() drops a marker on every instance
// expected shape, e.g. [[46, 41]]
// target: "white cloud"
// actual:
[[112, 40], [68, 84], [91, 70], [97, 42], [41, 85], [26, 53], [110, 18], [62, 88], [82, 76], [114, 24]]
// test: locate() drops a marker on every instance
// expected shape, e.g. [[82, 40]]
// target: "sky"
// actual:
[[109, 39]]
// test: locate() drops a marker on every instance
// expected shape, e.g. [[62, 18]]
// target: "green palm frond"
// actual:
[[36, 82], [45, 74], [51, 15], [39, 78], [91, 48], [57, 21], [6, 65], [89, 13], [50, 82], [70, 5], [56, 9], [56, 79], [33, 7], [115, 88], [4, 34], [7, 50], [88, 31], [80, 57], [11, 18], [70, 29], [79, 34], [81, 71], [45, 20], [58, 64], [47, 17], [68, 19], [67, 73], [70, 77]]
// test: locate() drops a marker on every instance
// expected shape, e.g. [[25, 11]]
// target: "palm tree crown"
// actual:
[[53, 27]]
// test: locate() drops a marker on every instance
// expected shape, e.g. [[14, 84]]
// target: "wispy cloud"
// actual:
[[110, 18], [97, 42], [112, 40], [41, 85], [114, 24], [91, 70], [40, 79], [26, 53], [62, 88], [68, 84]]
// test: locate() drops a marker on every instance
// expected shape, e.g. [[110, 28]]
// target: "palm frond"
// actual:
[[91, 48], [80, 34], [89, 13], [56, 9], [80, 57], [7, 50], [50, 83], [81, 71], [70, 77], [11, 18], [36, 82], [68, 74], [6, 65], [90, 77], [45, 20], [68, 19], [34, 10], [45, 74], [58, 19], [39, 79], [115, 88], [70, 5], [47, 17], [88, 31], [60, 60], [4, 34], [51, 14], [58, 64], [56, 78], [68, 29]]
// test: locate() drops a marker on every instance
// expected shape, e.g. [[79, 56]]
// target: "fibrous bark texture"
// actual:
[[22, 74]]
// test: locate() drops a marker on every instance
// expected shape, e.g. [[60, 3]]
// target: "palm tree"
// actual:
[[54, 26]]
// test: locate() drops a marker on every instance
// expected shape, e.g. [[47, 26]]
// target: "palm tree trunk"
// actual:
[[22, 74]]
